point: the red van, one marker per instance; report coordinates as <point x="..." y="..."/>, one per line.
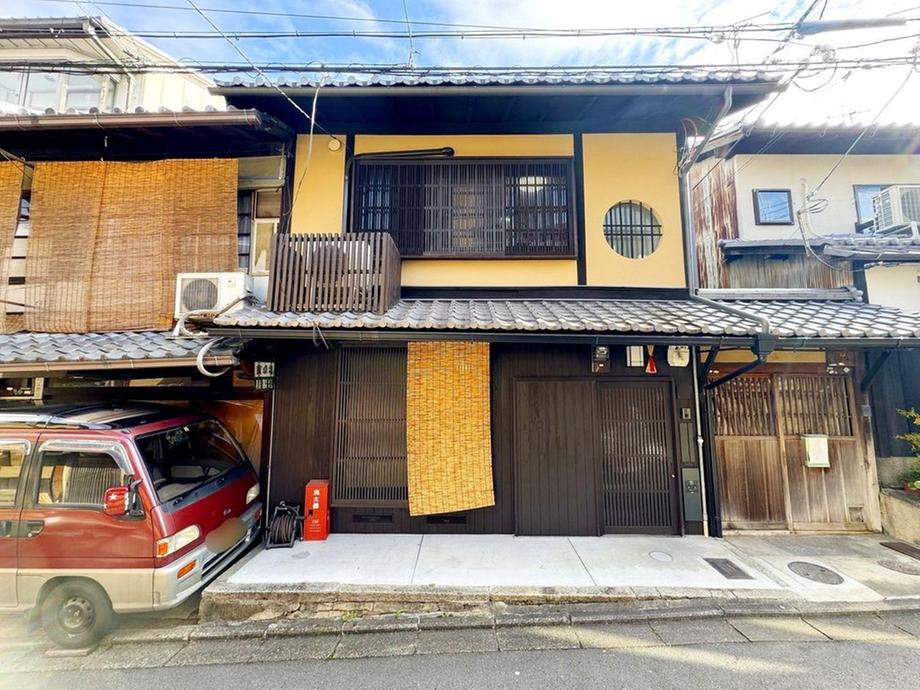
<point x="123" y="508"/>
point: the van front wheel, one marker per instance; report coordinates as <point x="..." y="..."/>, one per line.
<point x="76" y="614"/>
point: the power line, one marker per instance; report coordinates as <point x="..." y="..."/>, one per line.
<point x="675" y="71"/>
<point x="779" y="26"/>
<point x="263" y="75"/>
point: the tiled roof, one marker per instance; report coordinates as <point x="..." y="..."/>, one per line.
<point x="69" y="348"/>
<point x="867" y="247"/>
<point x="790" y="319"/>
<point x="512" y="77"/>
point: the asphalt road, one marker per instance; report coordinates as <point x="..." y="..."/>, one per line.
<point x="832" y="664"/>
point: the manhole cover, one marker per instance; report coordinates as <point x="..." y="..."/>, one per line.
<point x="661" y="556"/>
<point x="815" y="573"/>
<point x="900" y="566"/>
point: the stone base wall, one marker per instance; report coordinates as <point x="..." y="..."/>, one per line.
<point x="901" y="515"/>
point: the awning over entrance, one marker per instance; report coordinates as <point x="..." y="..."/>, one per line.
<point x="796" y="322"/>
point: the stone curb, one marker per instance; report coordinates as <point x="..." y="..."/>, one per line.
<point x="582" y="613"/>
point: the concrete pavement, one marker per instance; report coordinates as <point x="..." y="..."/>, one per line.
<point x="821" y="652"/>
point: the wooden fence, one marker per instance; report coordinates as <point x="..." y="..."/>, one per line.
<point x="358" y="272"/>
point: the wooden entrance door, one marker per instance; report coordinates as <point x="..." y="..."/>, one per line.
<point x="636" y="455"/>
<point x="764" y="483"/>
<point x="556" y="489"/>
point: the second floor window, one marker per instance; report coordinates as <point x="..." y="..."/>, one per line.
<point x="773" y="207"/>
<point x="471" y="207"/>
<point x="258" y="216"/>
<point x="865" y="204"/>
<point x="37" y="91"/>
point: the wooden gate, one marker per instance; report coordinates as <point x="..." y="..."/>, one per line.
<point x="555" y="471"/>
<point x="764" y="483"/>
<point x="636" y="454"/>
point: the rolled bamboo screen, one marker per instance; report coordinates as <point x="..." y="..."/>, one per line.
<point x="10" y="194"/>
<point x="108" y="238"/>
<point x="448" y="430"/>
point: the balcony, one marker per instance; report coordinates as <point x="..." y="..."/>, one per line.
<point x="358" y="272"/>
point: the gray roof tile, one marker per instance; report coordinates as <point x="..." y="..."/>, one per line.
<point x="42" y="348"/>
<point x="789" y="318"/>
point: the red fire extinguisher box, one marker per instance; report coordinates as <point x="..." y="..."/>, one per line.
<point x="316" y="510"/>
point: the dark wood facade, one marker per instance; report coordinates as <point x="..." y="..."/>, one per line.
<point x="554" y="464"/>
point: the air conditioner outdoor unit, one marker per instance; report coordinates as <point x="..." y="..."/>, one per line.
<point x="209" y="291"/>
<point x="897" y="206"/>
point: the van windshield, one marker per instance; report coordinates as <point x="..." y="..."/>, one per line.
<point x="182" y="459"/>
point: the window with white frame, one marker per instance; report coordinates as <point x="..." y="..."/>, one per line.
<point x="864" y="195"/>
<point x="38" y="91"/>
<point x="259" y="214"/>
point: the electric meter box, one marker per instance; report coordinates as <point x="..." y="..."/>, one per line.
<point x="816" y="453"/>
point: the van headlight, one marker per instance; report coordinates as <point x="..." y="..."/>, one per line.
<point x="252" y="494"/>
<point x="177" y="541"/>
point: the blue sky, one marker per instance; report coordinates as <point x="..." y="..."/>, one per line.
<point x="844" y="94"/>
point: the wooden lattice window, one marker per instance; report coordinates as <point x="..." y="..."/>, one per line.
<point x="369" y="458"/>
<point x="744" y="407"/>
<point x="632" y="229"/>
<point x="815" y="405"/>
<point x="470" y="207"/>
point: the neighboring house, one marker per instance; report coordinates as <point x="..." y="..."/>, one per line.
<point x="483" y="318"/>
<point x="764" y="219"/>
<point x="123" y="211"/>
<point x="34" y="51"/>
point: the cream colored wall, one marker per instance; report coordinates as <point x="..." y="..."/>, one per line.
<point x="781" y="357"/>
<point x="641" y="167"/>
<point x="786" y="172"/>
<point x="894" y="286"/>
<point x="319" y="195"/>
<point x="482" y="272"/>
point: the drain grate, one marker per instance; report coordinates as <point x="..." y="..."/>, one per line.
<point x="900" y="566"/>
<point x="901" y="547"/>
<point x="728" y="569"/>
<point x="815" y="573"/>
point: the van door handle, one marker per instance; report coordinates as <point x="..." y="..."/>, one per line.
<point x="33" y="528"/>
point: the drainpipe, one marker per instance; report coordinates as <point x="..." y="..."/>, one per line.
<point x="91" y="30"/>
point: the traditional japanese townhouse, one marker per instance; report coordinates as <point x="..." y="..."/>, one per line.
<point x="484" y="317"/>
<point x="815" y="209"/>
<point x="112" y="225"/>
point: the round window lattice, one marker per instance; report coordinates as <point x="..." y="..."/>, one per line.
<point x="632" y="229"/>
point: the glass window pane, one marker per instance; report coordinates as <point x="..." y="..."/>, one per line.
<point x="10" y="87"/>
<point x="12" y="459"/>
<point x="268" y="204"/>
<point x="77" y="478"/>
<point x="42" y="90"/>
<point x="774" y="206"/>
<point x="261" y="243"/>
<point x="83" y="92"/>
<point x="865" y="193"/>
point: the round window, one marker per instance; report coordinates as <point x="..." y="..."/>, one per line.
<point x="632" y="229"/>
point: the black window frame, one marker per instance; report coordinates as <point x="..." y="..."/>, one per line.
<point x="759" y="221"/>
<point x="568" y="249"/>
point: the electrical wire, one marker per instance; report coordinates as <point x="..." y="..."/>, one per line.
<point x="261" y="73"/>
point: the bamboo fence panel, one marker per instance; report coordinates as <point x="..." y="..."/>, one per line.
<point x="10" y="194"/>
<point x="448" y="427"/>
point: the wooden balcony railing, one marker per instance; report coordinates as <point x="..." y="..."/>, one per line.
<point x="358" y="272"/>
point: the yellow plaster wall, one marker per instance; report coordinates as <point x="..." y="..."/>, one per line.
<point x="641" y="167"/>
<point x="319" y="196"/>
<point x="487" y="272"/>
<point x="781" y="357"/>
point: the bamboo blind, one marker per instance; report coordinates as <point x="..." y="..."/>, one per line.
<point x="108" y="238"/>
<point x="448" y="431"/>
<point x="10" y="194"/>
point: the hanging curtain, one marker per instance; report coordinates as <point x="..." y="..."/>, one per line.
<point x="108" y="238"/>
<point x="448" y="430"/>
<point x="11" y="173"/>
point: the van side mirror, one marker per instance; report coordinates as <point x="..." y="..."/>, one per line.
<point x="116" y="501"/>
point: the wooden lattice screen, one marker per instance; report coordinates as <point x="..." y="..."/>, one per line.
<point x="744" y="407"/>
<point x="108" y="238"/>
<point x="369" y="456"/>
<point x="815" y="405"/>
<point x="358" y="272"/>
<point x="10" y="193"/>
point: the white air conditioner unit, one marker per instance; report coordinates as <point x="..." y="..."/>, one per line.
<point x="209" y="291"/>
<point x="897" y="206"/>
